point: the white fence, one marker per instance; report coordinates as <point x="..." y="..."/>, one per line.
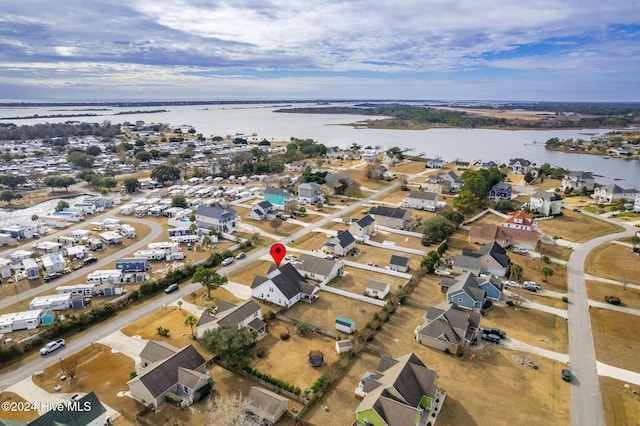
<point x="396" y="247"/>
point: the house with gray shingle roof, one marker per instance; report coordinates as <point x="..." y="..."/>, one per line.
<point x="447" y="326"/>
<point x="222" y="220"/>
<point x="402" y="392"/>
<point x="399" y="263"/>
<point x="266" y="405"/>
<point x="613" y="192"/>
<point x="500" y="191"/>
<point x="87" y="410"/>
<point x="340" y="245"/>
<point x="377" y="289"/>
<point x="363" y="227"/>
<point x="489" y="259"/>
<point x="182" y="373"/>
<point x="283" y="286"/>
<point x="392" y="217"/>
<point x="245" y="314"/>
<point x="470" y="291"/>
<point x="421" y="200"/>
<point x="318" y="268"/>
<point x="577" y="181"/>
<point x="545" y="203"/>
<point x="310" y="193"/>
<point x="260" y="210"/>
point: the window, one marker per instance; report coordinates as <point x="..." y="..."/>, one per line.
<point x="460" y="299"/>
<point x="271" y="289"/>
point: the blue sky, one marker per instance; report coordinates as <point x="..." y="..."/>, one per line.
<point x="547" y="50"/>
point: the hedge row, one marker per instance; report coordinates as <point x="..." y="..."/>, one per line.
<point x="280" y="383"/>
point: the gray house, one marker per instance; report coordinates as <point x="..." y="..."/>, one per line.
<point x="392" y="217"/>
<point x="447" y="326"/>
<point x="421" y="200"/>
<point x="545" y="203"/>
<point x="318" y="268"/>
<point x="340" y="245"/>
<point x="578" y="181"/>
<point x="363" y="227"/>
<point x="310" y="193"/>
<point x="222" y="220"/>
<point x="266" y="405"/>
<point x="245" y="314"/>
<point x="500" y="191"/>
<point x="520" y="166"/>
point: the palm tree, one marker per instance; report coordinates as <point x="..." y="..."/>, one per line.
<point x="209" y="278"/>
<point x="206" y="241"/>
<point x="191" y="321"/>
<point x="516" y="272"/>
<point x="546" y="272"/>
<point x="635" y="240"/>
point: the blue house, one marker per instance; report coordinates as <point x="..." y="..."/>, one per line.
<point x="500" y="191"/>
<point x="132" y="264"/>
<point x="464" y="291"/>
<point x="278" y="197"/>
<point x="222" y="220"/>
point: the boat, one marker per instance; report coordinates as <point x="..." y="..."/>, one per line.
<point x="605" y="157"/>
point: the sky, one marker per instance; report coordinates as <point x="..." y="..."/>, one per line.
<point x="520" y="50"/>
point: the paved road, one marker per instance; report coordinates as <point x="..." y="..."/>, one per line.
<point x="586" y="400"/>
<point x="81" y="340"/>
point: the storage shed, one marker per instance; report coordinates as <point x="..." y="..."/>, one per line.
<point x="344" y="324"/>
<point x="377" y="289"/>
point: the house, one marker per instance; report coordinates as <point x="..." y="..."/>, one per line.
<point x="25" y="320"/>
<point x="182" y="372"/>
<point x="340" y="245"/>
<point x="488" y="164"/>
<point x="389" y="159"/>
<point x="421" y="200"/>
<point x="245" y="314"/>
<point x="52" y="302"/>
<point x="470" y="291"/>
<point x="500" y="191"/>
<point x="519" y="220"/>
<point x="265" y="405"/>
<point x="391" y="217"/>
<point x="520" y="166"/>
<point x="377" y="289"/>
<point x="453" y="180"/>
<point x="299" y="166"/>
<point x="438" y="185"/>
<point x="30" y="267"/>
<point x="613" y="192"/>
<point x="334" y="152"/>
<point x="335" y="180"/>
<point x="218" y="218"/>
<point x="545" y="203"/>
<point x="399" y="263"/>
<point x="435" y="163"/>
<point x="74" y="252"/>
<point x="283" y="286"/>
<point x="87" y="411"/>
<point x="132" y="264"/>
<point x="318" y="268"/>
<point x="636" y="203"/>
<point x="6" y="270"/>
<point x="53" y="262"/>
<point x="110" y="238"/>
<point x="278" y="197"/>
<point x="310" y="193"/>
<point x="46" y="247"/>
<point x="448" y="327"/>
<point x="490" y="233"/>
<point x="578" y="181"/>
<point x="106" y="276"/>
<point x="260" y="210"/>
<point x="363" y="228"/>
<point x="402" y="392"/>
<point x="489" y="259"/>
<point x="369" y="155"/>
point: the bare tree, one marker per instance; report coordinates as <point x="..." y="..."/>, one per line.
<point x="68" y="367"/>
<point x="276" y="223"/>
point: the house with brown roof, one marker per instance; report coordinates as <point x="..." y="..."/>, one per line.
<point x="182" y="373"/>
<point x="490" y="233"/>
<point x="402" y="392"/>
<point x="245" y="314"/>
<point x="447" y="326"/>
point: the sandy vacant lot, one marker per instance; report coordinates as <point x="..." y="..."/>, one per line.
<point x="355" y="280"/>
<point x="576" y="227"/>
<point x="615" y="262"/>
<point x="616" y="337"/>
<point x="621" y="404"/>
<point x="629" y="297"/>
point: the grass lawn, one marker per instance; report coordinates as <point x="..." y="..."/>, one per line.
<point x="172" y="318"/>
<point x="399" y="239"/>
<point x="576" y="227"/>
<point x="21" y="415"/>
<point x="99" y="369"/>
<point x="409" y="167"/>
<point x="245" y="275"/>
<point x="615" y="262"/>
<point x="549" y="184"/>
<point x="531" y="272"/>
<point x="621" y="405"/>
<point x="459" y="240"/>
<point x="616" y="337"/>
<point x="323" y="311"/>
<point x="629" y="297"/>
<point x="285" y="229"/>
<point x="554" y="251"/>
<point x="489" y="218"/>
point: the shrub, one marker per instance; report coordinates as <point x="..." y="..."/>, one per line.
<point x="447" y="351"/>
<point x="510" y="303"/>
<point x="204" y="391"/>
<point x="614" y="300"/>
<point x="132" y="375"/>
<point x="284" y="336"/>
<point x="565" y="299"/>
<point x="546" y="259"/>
<point x="172" y="398"/>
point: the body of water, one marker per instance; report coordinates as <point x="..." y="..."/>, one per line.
<point x="450" y="144"/>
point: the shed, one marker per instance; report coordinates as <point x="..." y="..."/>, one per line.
<point x="343" y="346"/>
<point x="345" y="324"/>
<point x="399" y="263"/>
<point x="377" y="289"/>
<point x="266" y="405"/>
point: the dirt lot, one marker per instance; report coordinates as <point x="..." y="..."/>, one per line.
<point x="555" y="251"/>
<point x="410" y="167"/>
<point x="621" y="405"/>
<point x="172" y="318"/>
<point x="615" y="262"/>
<point x="355" y="280"/>
<point x="285" y="229"/>
<point x="629" y="297"/>
<point x="99" y="369"/>
<point x="576" y="227"/>
<point x="245" y="275"/>
<point x="488" y="218"/>
<point x="401" y="240"/>
<point x="22" y="415"/>
<point x="616" y="337"/>
<point x="323" y="311"/>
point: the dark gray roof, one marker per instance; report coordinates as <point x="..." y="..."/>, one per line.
<point x="399" y="260"/>
<point x="239" y="313"/>
<point x="365" y="221"/>
<point x="582" y="175"/>
<point x="496" y="251"/>
<point x="215" y="212"/>
<point x="67" y="416"/>
<point x="546" y="195"/>
<point x="520" y="160"/>
<point x="288" y="280"/>
<point x="393" y="212"/>
<point x="501" y="186"/>
<point x="155" y="351"/>
<point x="276" y="191"/>
<point x="257" y="280"/>
<point x="264" y="204"/>
<point x="256" y="324"/>
<point x="468" y="283"/>
<point x="393" y="412"/>
<point x="189" y="377"/>
<point x="332" y="180"/>
<point x="164" y="374"/>
<point x="345" y="238"/>
<point x="422" y="195"/>
<point x="315" y="264"/>
<point x="442" y="322"/>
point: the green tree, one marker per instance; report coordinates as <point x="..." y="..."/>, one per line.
<point x="80" y="159"/>
<point x="12" y="181"/>
<point x="209" y="278"/>
<point x="230" y="343"/>
<point x="505" y="206"/>
<point x="144" y="156"/>
<point x="453" y="216"/>
<point x="635" y="240"/>
<point x="8" y="196"/>
<point x="179" y="201"/>
<point x="61" y="205"/>
<point x="191" y="321"/>
<point x="429" y="264"/>
<point x="165" y="173"/>
<point x="437" y="228"/>
<point x="546" y="272"/>
<point x="131" y="184"/>
<point x="516" y="272"/>
<point x="93" y="150"/>
<point x="466" y="202"/>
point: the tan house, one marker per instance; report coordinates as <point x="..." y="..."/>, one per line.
<point x="391" y="217"/>
<point x="363" y="227"/>
<point x="489" y="259"/>
<point x="448" y="327"/>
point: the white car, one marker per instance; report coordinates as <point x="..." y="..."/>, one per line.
<point x="52" y="346"/>
<point x="228" y="261"/>
<point x="290" y="258"/>
<point x="511" y="284"/>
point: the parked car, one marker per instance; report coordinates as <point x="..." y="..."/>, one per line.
<point x="531" y="286"/>
<point x="52" y="276"/>
<point x="89" y="260"/>
<point x="331" y="204"/>
<point x="290" y="258"/>
<point x="495" y="331"/>
<point x="173" y="287"/>
<point x="372" y="264"/>
<point x="241" y="255"/>
<point x="566" y="374"/>
<point x="575" y="209"/>
<point x="52" y="346"/>
<point x="511" y="284"/>
<point x="228" y="261"/>
<point x="491" y="338"/>
<point x="75" y="397"/>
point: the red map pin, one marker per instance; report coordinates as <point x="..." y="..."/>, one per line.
<point x="277" y="252"/>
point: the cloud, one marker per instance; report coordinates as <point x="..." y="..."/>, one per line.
<point x="150" y="42"/>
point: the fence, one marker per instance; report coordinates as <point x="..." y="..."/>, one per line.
<point x="395" y="247"/>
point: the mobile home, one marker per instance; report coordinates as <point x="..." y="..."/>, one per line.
<point x="167" y="247"/>
<point x="105" y="276"/>
<point x="111" y="238"/>
<point x="53" y="262"/>
<point x="54" y="221"/>
<point x="26" y="320"/>
<point x="150" y="254"/>
<point x="69" y="216"/>
<point x="53" y="302"/>
<point x="77" y="290"/>
<point x="80" y="233"/>
<point x="132" y="264"/>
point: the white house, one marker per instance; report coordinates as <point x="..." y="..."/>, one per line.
<point x="520" y="166"/>
<point x="53" y="262"/>
<point x="310" y="193"/>
<point x="283" y="286"/>
<point x="421" y="200"/>
<point x="220" y="219"/>
<point x="613" y="192"/>
<point x="245" y="314"/>
<point x="577" y="181"/>
<point x="30" y="267"/>
<point x="377" y="289"/>
<point x="53" y="302"/>
<point x="106" y="276"/>
<point x="363" y="227"/>
<point x="545" y="203"/>
<point x="260" y="210"/>
<point x="26" y="320"/>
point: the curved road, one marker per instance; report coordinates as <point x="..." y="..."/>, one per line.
<point x="586" y="400"/>
<point x="97" y="332"/>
